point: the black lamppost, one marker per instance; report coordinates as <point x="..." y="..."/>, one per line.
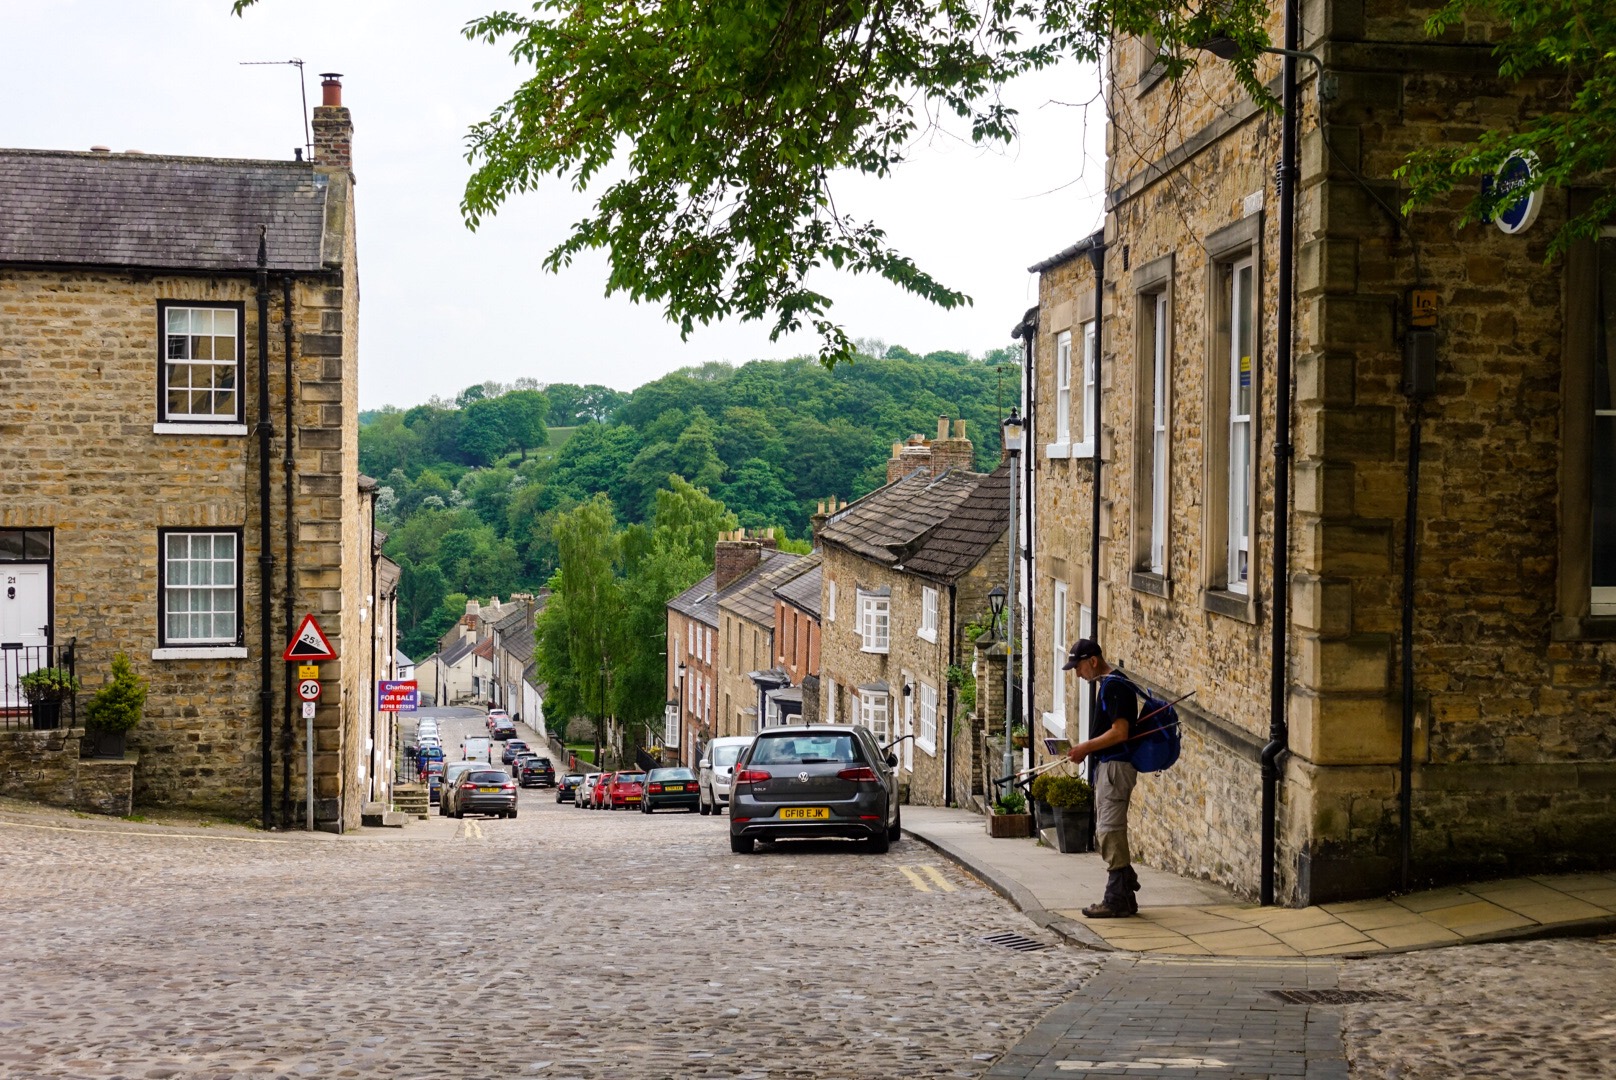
<point x="996" y="606"/>
<point x="684" y="741"/>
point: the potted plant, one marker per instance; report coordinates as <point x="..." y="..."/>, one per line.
<point x="115" y="708"/>
<point x="45" y="689"/>
<point x="1071" y="805"/>
<point x="1008" y="816"/>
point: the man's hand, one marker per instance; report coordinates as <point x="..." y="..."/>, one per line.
<point x="1076" y="754"/>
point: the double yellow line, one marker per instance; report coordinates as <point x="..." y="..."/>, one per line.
<point x="933" y="876"/>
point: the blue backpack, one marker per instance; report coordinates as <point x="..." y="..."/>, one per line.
<point x="1154" y="739"/>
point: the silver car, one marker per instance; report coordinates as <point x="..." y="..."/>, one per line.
<point x="822" y="780"/>
<point x="717" y="763"/>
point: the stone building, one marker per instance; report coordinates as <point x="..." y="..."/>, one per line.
<point x="1511" y="650"/>
<point x="178" y="346"/>
<point x="906" y="569"/>
<point x="692" y="669"/>
<point x="748" y="568"/>
<point x="797" y="633"/>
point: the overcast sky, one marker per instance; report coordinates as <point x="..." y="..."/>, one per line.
<point x="444" y="307"/>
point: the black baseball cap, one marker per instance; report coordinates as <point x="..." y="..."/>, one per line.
<point x="1081" y="651"/>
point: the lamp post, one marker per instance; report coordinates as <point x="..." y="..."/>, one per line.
<point x="684" y="740"/>
<point x="996" y="606"/>
<point x="1012" y="427"/>
<point x="1278" y="730"/>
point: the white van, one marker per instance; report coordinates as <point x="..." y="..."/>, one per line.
<point x="477" y="748"/>
<point x="717" y="764"/>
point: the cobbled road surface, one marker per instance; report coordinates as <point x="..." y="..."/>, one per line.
<point x="564" y="943"/>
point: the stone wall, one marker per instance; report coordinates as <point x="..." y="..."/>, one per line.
<point x="45" y="767"/>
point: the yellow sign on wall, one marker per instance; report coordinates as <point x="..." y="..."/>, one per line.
<point x="308" y="671"/>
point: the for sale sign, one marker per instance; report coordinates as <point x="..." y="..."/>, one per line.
<point x="401" y="695"/>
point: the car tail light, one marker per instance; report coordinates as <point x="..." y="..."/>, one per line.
<point x="751" y="776"/>
<point x="509" y="785"/>
<point x="869" y="817"/>
<point x="863" y="774"/>
<point x="655" y="789"/>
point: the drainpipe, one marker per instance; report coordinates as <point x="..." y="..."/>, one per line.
<point x="1029" y="440"/>
<point x="948" y="732"/>
<point x="1097" y="261"/>
<point x="375" y="604"/>
<point x="287" y="465"/>
<point x="266" y="558"/>
<point x="1278" y="733"/>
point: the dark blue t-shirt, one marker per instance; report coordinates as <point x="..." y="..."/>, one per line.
<point x="1117" y="702"/>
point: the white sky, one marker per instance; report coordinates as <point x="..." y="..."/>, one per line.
<point x="444" y="307"/>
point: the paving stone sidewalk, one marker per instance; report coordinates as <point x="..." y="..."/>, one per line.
<point x="1182" y="1017"/>
<point x="1194" y="918"/>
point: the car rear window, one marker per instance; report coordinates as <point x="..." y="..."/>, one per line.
<point x="726" y="755"/>
<point x="486" y="776"/>
<point x="630" y="778"/>
<point x="804" y="750"/>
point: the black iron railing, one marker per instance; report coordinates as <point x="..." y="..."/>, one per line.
<point x="41" y="708"/>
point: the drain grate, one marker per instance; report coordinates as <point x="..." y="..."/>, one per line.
<point x="1334" y="997"/>
<point x="1015" y="941"/>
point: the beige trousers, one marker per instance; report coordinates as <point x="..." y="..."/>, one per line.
<point x="1113" y="787"/>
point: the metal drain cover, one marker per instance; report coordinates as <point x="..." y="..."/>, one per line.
<point x="1017" y="942"/>
<point x="1334" y="997"/>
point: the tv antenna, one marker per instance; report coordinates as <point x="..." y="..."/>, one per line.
<point x="308" y="145"/>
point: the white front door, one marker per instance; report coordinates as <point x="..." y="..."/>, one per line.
<point x="24" y="624"/>
<point x="908" y="729"/>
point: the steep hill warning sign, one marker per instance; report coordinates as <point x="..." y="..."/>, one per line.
<point x="308" y="644"/>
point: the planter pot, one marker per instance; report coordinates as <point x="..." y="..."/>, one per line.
<point x="47" y="715"/>
<point x="1072" y="829"/>
<point x="1007" y="826"/>
<point x="105" y="744"/>
<point x="1018" y="742"/>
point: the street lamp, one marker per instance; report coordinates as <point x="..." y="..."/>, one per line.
<point x="996" y="605"/>
<point x="681" y="670"/>
<point x="1012" y="426"/>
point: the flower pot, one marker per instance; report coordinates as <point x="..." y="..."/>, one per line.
<point x="105" y="744"/>
<point x="1073" y="827"/>
<point x="1007" y="826"/>
<point x="1019" y="741"/>
<point x="47" y="715"/>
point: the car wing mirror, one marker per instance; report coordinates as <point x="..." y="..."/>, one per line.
<point x="704" y="764"/>
<point x="892" y="761"/>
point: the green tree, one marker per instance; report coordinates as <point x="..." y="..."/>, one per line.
<point x="525" y="414"/>
<point x="587" y="582"/>
<point x="688" y="521"/>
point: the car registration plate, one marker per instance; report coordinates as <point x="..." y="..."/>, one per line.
<point x="489" y="790"/>
<point x="673" y="787"/>
<point x="805" y="813"/>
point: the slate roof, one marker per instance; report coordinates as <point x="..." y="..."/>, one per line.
<point x="752" y="595"/>
<point x="960" y="541"/>
<point x="458" y="651"/>
<point x="519" y="643"/>
<point x="803" y="588"/>
<point x="699" y="602"/>
<point x="508" y="624"/>
<point x="401" y="660"/>
<point x="886" y="525"/>
<point x="158" y="212"/>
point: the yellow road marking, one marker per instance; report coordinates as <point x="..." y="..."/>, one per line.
<point x="915" y="879"/>
<point x="470" y="830"/>
<point x="937" y="876"/>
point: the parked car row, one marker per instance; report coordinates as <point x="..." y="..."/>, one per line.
<point x="631" y="789"/>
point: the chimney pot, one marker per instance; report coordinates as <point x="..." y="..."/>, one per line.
<point x="331" y="89"/>
<point x="100" y="149"/>
<point x="942" y="427"/>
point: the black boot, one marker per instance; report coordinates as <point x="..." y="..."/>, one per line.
<point x="1118" y="902"/>
<point x="1130" y="885"/>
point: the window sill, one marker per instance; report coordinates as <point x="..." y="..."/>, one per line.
<point x="882" y="651"/>
<point x="200" y="652"/>
<point x="927" y="635"/>
<point x="1058" y="450"/>
<point x="930" y="748"/>
<point x="1235" y="605"/>
<point x="188" y="428"/>
<point x="1154" y="584"/>
<point x="1082" y="450"/>
<point x="1054" y="724"/>
<point x="1584" y="628"/>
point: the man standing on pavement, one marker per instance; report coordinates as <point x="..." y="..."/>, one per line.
<point x="1112" y="774"/>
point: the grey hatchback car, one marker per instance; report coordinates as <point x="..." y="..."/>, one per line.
<point x="814" y="781"/>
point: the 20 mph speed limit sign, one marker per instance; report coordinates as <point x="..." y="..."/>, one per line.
<point x="309" y="690"/>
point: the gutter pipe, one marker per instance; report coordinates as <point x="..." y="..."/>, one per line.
<point x="287" y="465"/>
<point x="266" y="558"/>
<point x="953" y="693"/>
<point x="1278" y="732"/>
<point x="1096" y="255"/>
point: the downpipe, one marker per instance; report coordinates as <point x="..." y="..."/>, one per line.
<point x="289" y="522"/>
<point x="266" y="557"/>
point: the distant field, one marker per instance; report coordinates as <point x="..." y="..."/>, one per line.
<point x="559" y="435"/>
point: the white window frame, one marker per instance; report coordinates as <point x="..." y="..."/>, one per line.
<point x="1242" y="302"/>
<point x="928" y="614"/>
<point x="1063" y="388"/>
<point x="1085" y="447"/>
<point x="1159" y="439"/>
<point x="1055" y="718"/>
<point x="707" y="636"/>
<point x="176" y="582"/>
<point x="168" y="361"/>
<point x="1085" y="628"/>
<point x="926" y="737"/>
<point x="875" y="623"/>
<point x="831" y="692"/>
<point x="690" y="639"/>
<point x="830" y="600"/>
<point x="875" y="713"/>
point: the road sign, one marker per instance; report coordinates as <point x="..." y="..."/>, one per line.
<point x="308" y="671"/>
<point x="1517" y="171"/>
<point x="397" y="695"/>
<point x="308" y="710"/>
<point x="309" y="689"/>
<point x="309" y="643"/>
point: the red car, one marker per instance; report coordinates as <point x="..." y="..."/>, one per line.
<point x="626" y="791"/>
<point x="599" y="798"/>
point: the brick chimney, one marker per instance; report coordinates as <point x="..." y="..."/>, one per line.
<point x="333" y="128"/>
<point x="951" y="452"/>
<point x="734" y="556"/>
<point x="909" y="456"/>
